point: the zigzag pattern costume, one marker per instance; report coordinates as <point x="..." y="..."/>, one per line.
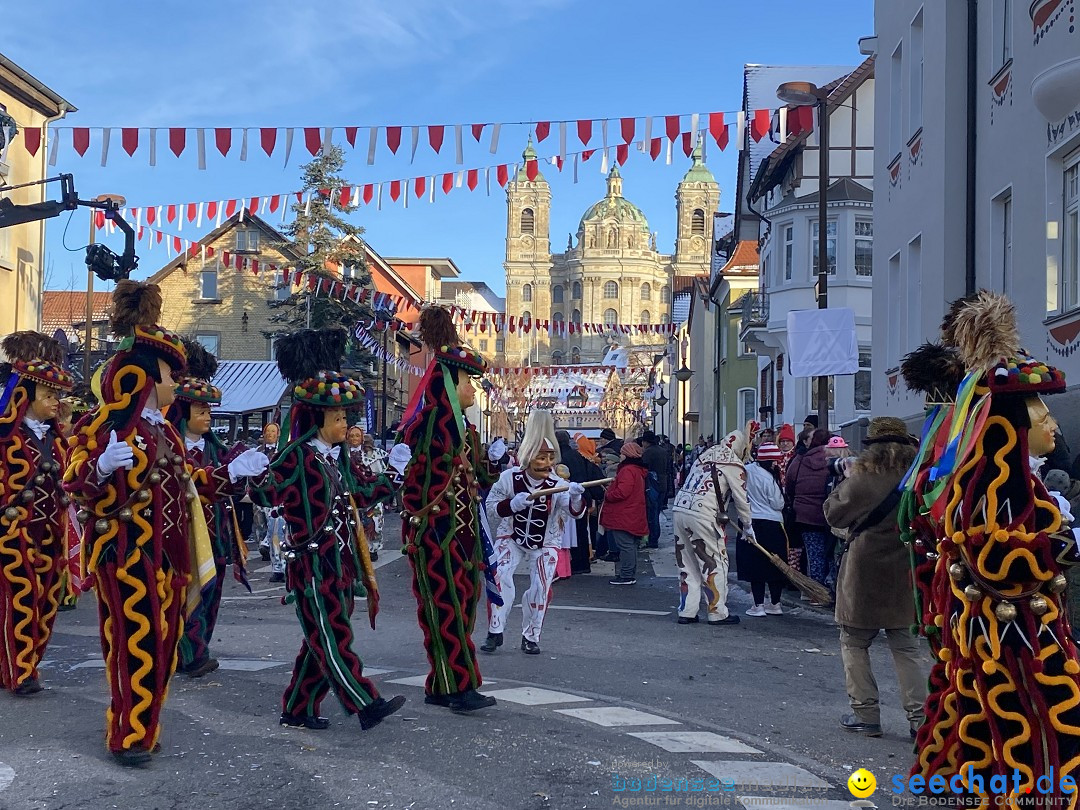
<point x="33" y="518"/>
<point x="1005" y="693"/>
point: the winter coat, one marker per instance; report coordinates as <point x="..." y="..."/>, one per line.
<point x="873" y="589"/>
<point x="582" y="470"/>
<point x="610" y="457"/>
<point x="624" y="501"/>
<point x="656" y="460"/>
<point x="766" y="499"/>
<point x="806" y="483"/>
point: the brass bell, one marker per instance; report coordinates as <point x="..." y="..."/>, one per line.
<point x="101" y="525"/>
<point x="185" y="477"/>
<point x="190" y="497"/>
<point x="435" y="510"/>
<point x="415" y="521"/>
<point x="932" y="555"/>
<point x="1005" y="611"/>
<point x="154" y="477"/>
<point x="972" y="593"/>
<point x="126" y="514"/>
<point x="1059" y="583"/>
<point x="919" y="544"/>
<point x="1038" y="605"/>
<point x="11" y="513"/>
<point x="45" y="466"/>
<point x="290" y="556"/>
<point x="145" y="495"/>
<point x="312" y="546"/>
<point x="956" y="571"/>
<point x="28" y="495"/>
<point x="39" y="479"/>
<point x="82" y="515"/>
<point x="163" y="462"/>
<point x="403" y="514"/>
<point x="65" y="500"/>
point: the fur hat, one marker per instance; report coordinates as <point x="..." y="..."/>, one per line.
<point x="539" y="436"/>
<point x="38" y="358"/>
<point x="437" y="331"/>
<point x="887" y="429"/>
<point x="310" y="359"/>
<point x="934" y="370"/>
<point x="202" y="366"/>
<point x="136" y="309"/>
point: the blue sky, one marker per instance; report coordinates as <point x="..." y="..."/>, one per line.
<point x="367" y="62"/>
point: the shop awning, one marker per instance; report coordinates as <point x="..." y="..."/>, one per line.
<point x="249" y="386"/>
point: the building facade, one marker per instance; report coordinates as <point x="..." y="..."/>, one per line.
<point x="610" y="273"/>
<point x="739" y="382"/>
<point x="28" y="106"/>
<point x="1018" y="174"/>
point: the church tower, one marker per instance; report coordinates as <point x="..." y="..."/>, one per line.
<point x="696" y="200"/>
<point x="528" y="260"/>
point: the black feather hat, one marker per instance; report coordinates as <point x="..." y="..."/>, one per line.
<point x="310" y="359"/>
<point x="933" y="370"/>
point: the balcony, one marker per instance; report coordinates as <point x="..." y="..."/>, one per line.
<point x="755" y="312"/>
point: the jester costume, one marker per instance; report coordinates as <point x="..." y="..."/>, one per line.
<point x="441" y="529"/>
<point x="320" y="491"/>
<point x="72" y="409"/>
<point x="1005" y="692"/>
<point x="33" y="506"/>
<point x="209" y="459"/>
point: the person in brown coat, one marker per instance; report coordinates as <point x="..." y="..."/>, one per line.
<point x="873" y="590"/>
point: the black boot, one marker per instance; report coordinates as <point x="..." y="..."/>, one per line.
<point x="304" y="721"/>
<point x="529" y="647"/>
<point x="31" y="686"/>
<point x="437" y="700"/>
<point x="196" y="669"/>
<point x="374" y="713"/>
<point x="492" y="642"/>
<point x="469" y="701"/>
<point x="132" y="757"/>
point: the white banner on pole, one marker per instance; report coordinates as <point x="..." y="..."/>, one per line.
<point x="822" y="342"/>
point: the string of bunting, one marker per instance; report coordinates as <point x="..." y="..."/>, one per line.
<point x="273" y="140"/>
<point x="364" y="338"/>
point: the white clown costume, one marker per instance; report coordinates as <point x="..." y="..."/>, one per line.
<point x="529" y="529"/>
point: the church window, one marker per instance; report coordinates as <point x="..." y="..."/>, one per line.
<point x="526" y="292"/>
<point x="557" y="294"/>
<point x="575" y="355"/>
<point x="697" y="223"/>
<point x="665" y="294"/>
<point x="527" y="221"/>
<point x="611" y="317"/>
<point x="646" y="292"/>
<point x="577" y="290"/>
<point x="575" y="316"/>
<point x="645" y="316"/>
<point x="556" y="358"/>
<point x="526" y="317"/>
<point x="611" y="289"/>
<point x="556" y="317"/>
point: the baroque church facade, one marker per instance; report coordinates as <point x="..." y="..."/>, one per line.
<point x="611" y="272"/>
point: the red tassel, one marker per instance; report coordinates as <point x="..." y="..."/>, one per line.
<point x="223" y="139"/>
<point x="32" y="140"/>
<point x="435" y="138"/>
<point x="584" y="131"/>
<point x="393" y="138"/>
<point x="628" y="126"/>
<point x="80" y="139"/>
<point x="312" y="140"/>
<point x="129" y="139"/>
<point x="543" y="129"/>
<point x="447" y="182"/>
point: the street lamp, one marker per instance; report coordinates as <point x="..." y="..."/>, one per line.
<point x="802" y="93"/>
<point x="683" y="375"/>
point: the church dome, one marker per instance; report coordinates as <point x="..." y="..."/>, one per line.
<point x="614" y="206"/>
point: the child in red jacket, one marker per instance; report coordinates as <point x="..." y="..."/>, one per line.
<point x="623" y="517"/>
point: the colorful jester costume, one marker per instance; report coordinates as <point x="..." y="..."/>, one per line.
<point x="33" y="506"/>
<point x="72" y="583"/>
<point x="128" y="473"/>
<point x="328" y="564"/>
<point x="210" y="461"/>
<point x="1005" y="697"/>
<point x="442" y="532"/>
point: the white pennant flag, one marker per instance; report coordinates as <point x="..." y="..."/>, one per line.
<point x="459" y="153"/>
<point x="694" y="119"/>
<point x="379" y="198"/>
<point x="668" y="157"/>
<point x="105" y="133"/>
<point x="373" y="142"/>
<point x="288" y="144"/>
<point x="740" y="128"/>
<point x="220" y="212"/>
<point x="646" y="138"/>
<point x="495" y="137"/>
<point x="431" y="189"/>
<point x="199" y="213"/>
<point x="460" y="178"/>
<point x="153" y="146"/>
<point x="327" y="139"/>
<point x="575" y="167"/>
<point x="604" y="162"/>
<point x="487" y="180"/>
<point x="243" y="144"/>
<point x="405" y="196"/>
<point x="415" y="141"/>
<point x="562" y="140"/>
<point x="783" y="123"/>
<point x="603" y="134"/>
<point x="56" y="147"/>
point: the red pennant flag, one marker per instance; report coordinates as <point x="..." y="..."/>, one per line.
<point x="159" y="235"/>
<point x="268" y="139"/>
<point x="369" y="192"/>
<point x="584" y="131"/>
<point x="80" y="139"/>
<point x="543" y="129"/>
<point x="312" y="140"/>
<point x="99" y="219"/>
<point x="151" y="215"/>
<point x="477" y="131"/>
<point x="587" y="153"/>
<point x="209" y="252"/>
<point x="804" y="115"/>
<point x="211" y="210"/>
<point x="419" y="185"/>
<point x="192" y="210"/>
<point x="32" y="139"/>
<point x="275" y="202"/>
<point x="176" y="244"/>
<point x="253" y="205"/>
<point x="513" y="324"/>
<point x="472" y="178"/>
<point x="531" y="169"/>
<point x="759" y="128"/>
<point x="299" y="196"/>
<point x="622" y="152"/>
<point x="350" y="135"/>
<point x="177" y="140"/>
<point x="435" y="138"/>
<point x="311" y="282"/>
<point x="345" y="196"/>
<point x="628" y="126"/>
<point x="129" y="139"/>
<point x="501" y="174"/>
<point x="654" y="148"/>
<point x="559" y="162"/>
<point x="170" y="213"/>
<point x="687" y="143"/>
<point x="447" y="182"/>
<point x="395" y="189"/>
<point x="230" y="208"/>
<point x="255" y="266"/>
<point x="393" y="138"/>
<point x="718" y="129"/>
<point x="671" y="122"/>
<point x="223" y="139"/>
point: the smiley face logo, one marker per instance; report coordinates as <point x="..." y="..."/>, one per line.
<point x="862" y="783"/>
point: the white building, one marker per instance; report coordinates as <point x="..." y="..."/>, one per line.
<point x="999" y="209"/>
<point x="784" y="192"/>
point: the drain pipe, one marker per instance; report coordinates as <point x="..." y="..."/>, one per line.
<point x="970" y="276"/>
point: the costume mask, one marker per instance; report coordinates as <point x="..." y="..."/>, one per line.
<point x="46" y="404"/>
<point x="334" y="426"/>
<point x="466" y="393"/>
<point x="198" y="423"/>
<point x="1041" y="439"/>
<point x="166" y="389"/>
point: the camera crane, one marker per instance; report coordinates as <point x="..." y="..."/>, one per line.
<point x="104" y="263"/>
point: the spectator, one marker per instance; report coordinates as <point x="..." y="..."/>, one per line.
<point x="580" y="471"/>
<point x="810" y="422"/>
<point x="874" y="590"/>
<point x="656" y="483"/>
<point x="766" y="503"/>
<point x="807" y="479"/>
<point x="609" y="451"/>
<point x="623" y="516"/>
<point x="803" y="444"/>
<point x="597" y="541"/>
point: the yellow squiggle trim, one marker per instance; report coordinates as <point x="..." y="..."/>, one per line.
<point x="132" y="614"/>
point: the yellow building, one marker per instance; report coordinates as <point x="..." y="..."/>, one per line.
<point x="31" y="106"/>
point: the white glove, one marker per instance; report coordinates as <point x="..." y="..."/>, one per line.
<point x="250" y="462"/>
<point x="400" y="456"/>
<point x="496" y="450"/>
<point x="117" y="454"/>
<point x="520" y="502"/>
<point x="576" y="491"/>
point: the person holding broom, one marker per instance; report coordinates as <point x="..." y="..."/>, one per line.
<point x="766" y="502"/>
<point x="873" y="589"/>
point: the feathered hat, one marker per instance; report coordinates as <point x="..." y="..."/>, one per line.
<point x="195" y="385"/>
<point x="310" y="360"/>
<point x="31" y="357"/>
<point x="539" y="437"/>
<point x="988" y="343"/>
<point x="933" y="370"/>
<point x="136" y="310"/>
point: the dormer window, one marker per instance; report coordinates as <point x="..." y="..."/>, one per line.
<point x="247" y="240"/>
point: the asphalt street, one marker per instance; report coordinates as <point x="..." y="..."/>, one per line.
<point x="621" y="698"/>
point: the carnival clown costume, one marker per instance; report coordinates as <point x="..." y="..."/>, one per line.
<point x="72" y="409"/>
<point x="33" y="505"/>
<point x="530" y="526"/>
<point x="1005" y="693"/>
<point x="328" y="565"/>
<point x="442" y="530"/>
<point x="217" y="473"/>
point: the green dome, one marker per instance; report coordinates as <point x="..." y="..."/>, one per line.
<point x="614" y="206"/>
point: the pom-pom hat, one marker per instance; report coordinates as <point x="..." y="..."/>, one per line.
<point x="767" y="451"/>
<point x="310" y="359"/>
<point x="201" y="367"/>
<point x="38" y="358"/>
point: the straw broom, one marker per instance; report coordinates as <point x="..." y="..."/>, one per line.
<point x="813" y="589"/>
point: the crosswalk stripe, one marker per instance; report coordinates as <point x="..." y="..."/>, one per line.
<point x="533" y="696"/>
<point x="779" y="803"/>
<point x="758" y="773"/>
<point x="609" y="716"/>
<point x="420" y="680"/>
<point x="693" y="742"/>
